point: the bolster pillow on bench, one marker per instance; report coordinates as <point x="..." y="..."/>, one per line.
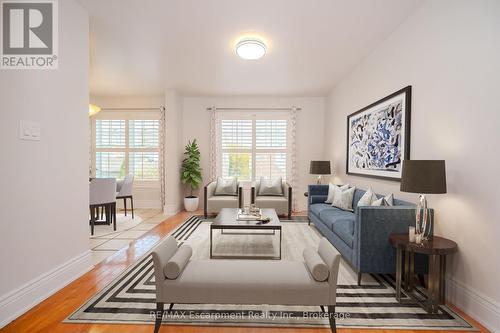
<point x="315" y="264"/>
<point x="176" y="264"/>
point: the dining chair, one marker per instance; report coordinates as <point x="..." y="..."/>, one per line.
<point x="102" y="193"/>
<point x="124" y="191"/>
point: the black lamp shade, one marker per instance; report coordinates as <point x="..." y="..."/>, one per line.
<point x="423" y="176"/>
<point x="320" y="168"/>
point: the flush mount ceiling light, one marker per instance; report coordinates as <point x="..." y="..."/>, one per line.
<point x="251" y="48"/>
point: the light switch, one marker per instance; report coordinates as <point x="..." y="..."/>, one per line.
<point x="29" y="131"/>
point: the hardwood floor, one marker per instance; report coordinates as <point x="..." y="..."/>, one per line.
<point x="48" y="315"/>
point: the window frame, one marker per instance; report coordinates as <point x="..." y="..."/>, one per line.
<point x="254" y="116"/>
<point x="127" y="116"/>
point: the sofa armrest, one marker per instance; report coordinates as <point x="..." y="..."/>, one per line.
<point x="372" y="229"/>
<point x="240" y="196"/>
<point x="161" y="255"/>
<point x="287" y="192"/>
<point x="318" y="190"/>
<point x="208" y="191"/>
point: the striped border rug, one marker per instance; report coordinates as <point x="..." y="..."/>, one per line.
<point x="130" y="298"/>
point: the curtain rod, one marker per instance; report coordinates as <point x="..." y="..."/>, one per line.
<point x="213" y="108"/>
<point x="133" y="109"/>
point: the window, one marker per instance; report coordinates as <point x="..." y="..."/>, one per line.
<point x="254" y="146"/>
<point x="124" y="146"/>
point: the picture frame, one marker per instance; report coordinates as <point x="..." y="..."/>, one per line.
<point x="378" y="137"/>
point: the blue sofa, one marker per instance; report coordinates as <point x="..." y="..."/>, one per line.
<point x="362" y="236"/>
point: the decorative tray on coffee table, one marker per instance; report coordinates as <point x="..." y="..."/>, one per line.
<point x="242" y="216"/>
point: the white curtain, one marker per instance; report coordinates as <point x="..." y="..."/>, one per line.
<point x="162" y="155"/>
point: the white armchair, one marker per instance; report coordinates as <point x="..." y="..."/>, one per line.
<point x="214" y="203"/>
<point x="281" y="203"/>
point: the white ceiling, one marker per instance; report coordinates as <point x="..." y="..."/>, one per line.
<point x="144" y="47"/>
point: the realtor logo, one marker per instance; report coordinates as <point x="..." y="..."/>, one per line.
<point x="29" y="34"/>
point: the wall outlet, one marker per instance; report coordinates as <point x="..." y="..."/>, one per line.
<point x="29" y="131"/>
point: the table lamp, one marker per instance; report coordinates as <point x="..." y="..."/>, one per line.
<point x="423" y="177"/>
<point x="319" y="168"/>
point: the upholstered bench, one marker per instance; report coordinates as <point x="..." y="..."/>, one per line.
<point x="309" y="282"/>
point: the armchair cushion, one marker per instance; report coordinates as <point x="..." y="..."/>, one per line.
<point x="226" y="186"/>
<point x="271" y="187"/>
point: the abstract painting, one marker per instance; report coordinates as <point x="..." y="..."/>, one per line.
<point x="378" y="137"/>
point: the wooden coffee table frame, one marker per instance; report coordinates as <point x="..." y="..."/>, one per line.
<point x="274" y="225"/>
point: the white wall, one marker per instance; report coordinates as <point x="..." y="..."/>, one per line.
<point x="145" y="196"/>
<point x="44" y="227"/>
<point x="449" y="52"/>
<point x="310" y="130"/>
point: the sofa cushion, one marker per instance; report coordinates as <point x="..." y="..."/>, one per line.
<point x="341" y="223"/>
<point x="319" y="207"/>
<point x="245" y="282"/>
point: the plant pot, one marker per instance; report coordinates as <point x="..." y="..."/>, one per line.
<point x="191" y="203"/>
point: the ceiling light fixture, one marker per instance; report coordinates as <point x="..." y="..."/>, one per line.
<point x="251" y="48"/>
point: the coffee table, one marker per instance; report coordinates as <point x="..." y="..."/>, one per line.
<point x="227" y="219"/>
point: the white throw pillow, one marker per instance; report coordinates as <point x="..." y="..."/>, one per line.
<point x="332" y="189"/>
<point x="368" y="198"/>
<point x="388" y="200"/>
<point x="315" y="264"/>
<point x="343" y="199"/>
<point x="226" y="186"/>
<point x="271" y="187"/>
<point x="179" y="260"/>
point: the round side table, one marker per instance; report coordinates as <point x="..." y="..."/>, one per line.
<point x="437" y="248"/>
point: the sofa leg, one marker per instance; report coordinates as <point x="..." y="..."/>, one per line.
<point x="421" y="279"/>
<point x="359" y="278"/>
<point x="158" y="316"/>
<point x="331" y="318"/>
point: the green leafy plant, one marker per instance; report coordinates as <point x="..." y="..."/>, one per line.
<point x="190" y="169"/>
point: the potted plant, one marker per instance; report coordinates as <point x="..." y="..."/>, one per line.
<point x="191" y="174"/>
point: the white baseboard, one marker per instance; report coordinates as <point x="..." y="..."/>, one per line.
<point x="171" y="209"/>
<point x="480" y="307"/>
<point x="17" y="302"/>
<point x="144" y="204"/>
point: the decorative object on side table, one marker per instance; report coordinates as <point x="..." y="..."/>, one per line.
<point x="191" y="174"/>
<point x="319" y="168"/>
<point x="423" y="177"/>
<point x="378" y="137"/>
<point x="437" y="248"/>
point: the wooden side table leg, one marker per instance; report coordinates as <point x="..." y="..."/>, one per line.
<point x="411" y="273"/>
<point x="399" y="268"/>
<point x="407" y="271"/>
<point x="433" y="290"/>
<point x="442" y="279"/>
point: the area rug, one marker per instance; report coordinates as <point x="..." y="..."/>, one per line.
<point x="130" y="298"/>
